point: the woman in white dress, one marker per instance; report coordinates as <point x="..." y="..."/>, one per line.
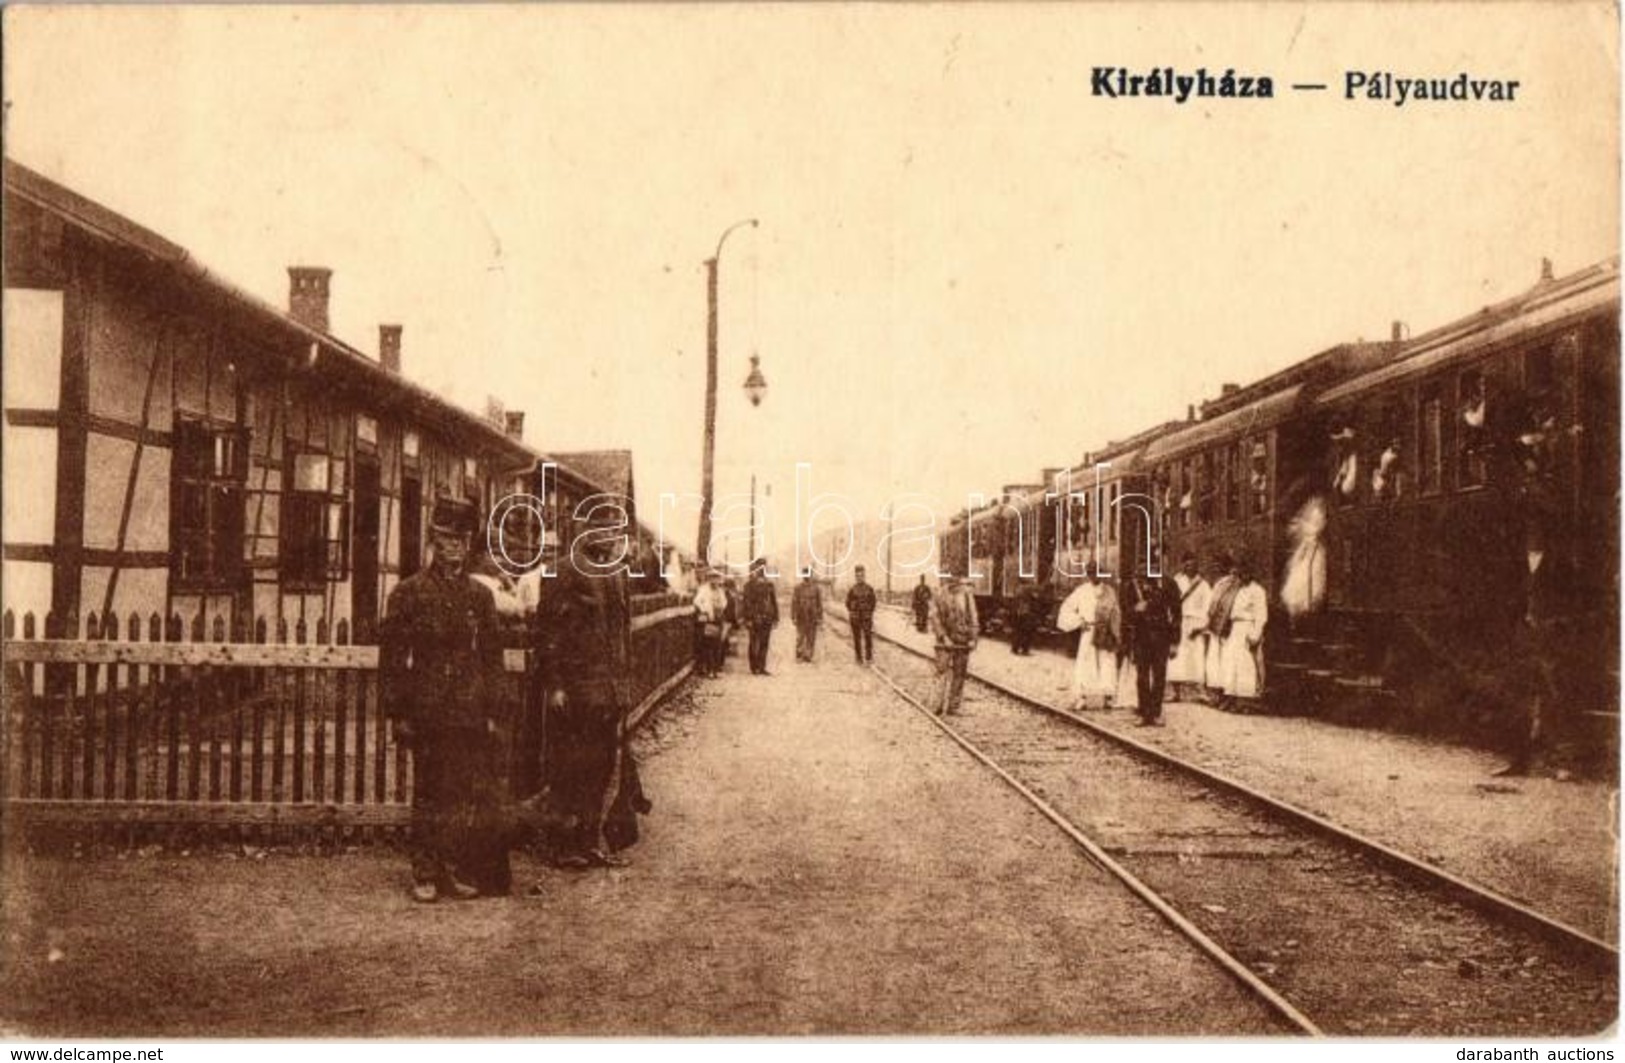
<point x="1187" y="672"/>
<point x="1221" y="599"/>
<point x="1077" y="613"/>
<point x="1244" y="646"/>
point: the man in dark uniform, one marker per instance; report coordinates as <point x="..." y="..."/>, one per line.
<point x="584" y="663"/>
<point x="1027" y="612"/>
<point x="440" y="659"/>
<point x="860" y="614"/>
<point x="761" y="615"/>
<point x="922" y="605"/>
<point x="1151" y="616"/>
<point x="1544" y="644"/>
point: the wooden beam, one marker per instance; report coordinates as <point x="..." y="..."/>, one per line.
<point x="43" y="810"/>
<point x="217" y="654"/>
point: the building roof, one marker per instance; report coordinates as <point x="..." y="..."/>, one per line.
<point x="1256" y="417"/>
<point x="1547" y="303"/>
<point x="608" y="470"/>
<point x="323" y="352"/>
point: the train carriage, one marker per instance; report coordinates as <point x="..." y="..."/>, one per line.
<point x="1432" y="469"/>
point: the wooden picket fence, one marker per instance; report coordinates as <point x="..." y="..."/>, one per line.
<point x="136" y="723"/>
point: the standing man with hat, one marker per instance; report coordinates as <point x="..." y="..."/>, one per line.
<point x="1151" y="618"/>
<point x="441" y="671"/>
<point x="954" y="623"/>
<point x="710" y="613"/>
<point x="761" y="609"/>
<point x="922" y="605"/>
<point x="860" y="614"/>
<point x="807" y="610"/>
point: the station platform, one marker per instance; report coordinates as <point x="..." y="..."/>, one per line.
<point x="1551" y="844"/>
<point x="820" y="859"/>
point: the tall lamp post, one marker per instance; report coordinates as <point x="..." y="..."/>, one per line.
<point x="755" y="389"/>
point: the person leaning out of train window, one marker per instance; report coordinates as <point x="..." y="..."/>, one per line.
<point x="1345" y="464"/>
<point x="1387" y="479"/>
<point x="1243" y="650"/>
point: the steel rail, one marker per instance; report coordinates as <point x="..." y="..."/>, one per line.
<point x="1476" y="896"/>
<point x="1232" y="966"/>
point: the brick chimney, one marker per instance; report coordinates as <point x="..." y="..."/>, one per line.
<point x="389" y="347"/>
<point x="1228" y="389"/>
<point x="1401" y="331"/>
<point x="514" y="424"/>
<point x="307" y="295"/>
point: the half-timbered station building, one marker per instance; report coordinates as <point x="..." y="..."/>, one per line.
<point x="175" y="446"/>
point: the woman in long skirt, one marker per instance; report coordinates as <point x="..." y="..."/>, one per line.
<point x="1221" y="601"/>
<point x="1187" y="671"/>
<point x="1077" y="614"/>
<point x="1106" y="643"/>
<point x="1243" y="647"/>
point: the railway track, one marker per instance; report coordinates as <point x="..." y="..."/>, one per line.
<point x="1336" y="933"/>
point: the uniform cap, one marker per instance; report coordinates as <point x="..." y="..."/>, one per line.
<point x="452" y="517"/>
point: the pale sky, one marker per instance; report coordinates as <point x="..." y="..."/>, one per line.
<point x="968" y="267"/>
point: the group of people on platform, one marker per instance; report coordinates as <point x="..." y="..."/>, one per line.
<point x="491" y="770"/>
<point x="950" y="613"/>
<point x="718" y="610"/>
<point x="1205" y="639"/>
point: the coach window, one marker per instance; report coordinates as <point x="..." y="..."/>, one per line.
<point x="1190" y="494"/>
<point x="209" y="475"/>
<point x="1205" y="490"/>
<point x="315" y="521"/>
<point x="1258" y="477"/>
<point x="1430" y="439"/>
<point x="1232" y="481"/>
<point x="1540" y="370"/>
<point x="1472" y="429"/>
<point x="1113" y="512"/>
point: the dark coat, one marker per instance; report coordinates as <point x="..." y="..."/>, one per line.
<point x="807" y="604"/>
<point x="761" y="605"/>
<point x="583" y="635"/>
<point x="1151" y="617"/>
<point x="860" y="601"/>
<point x="440" y="653"/>
<point x="1030" y="606"/>
<point x="922" y="598"/>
